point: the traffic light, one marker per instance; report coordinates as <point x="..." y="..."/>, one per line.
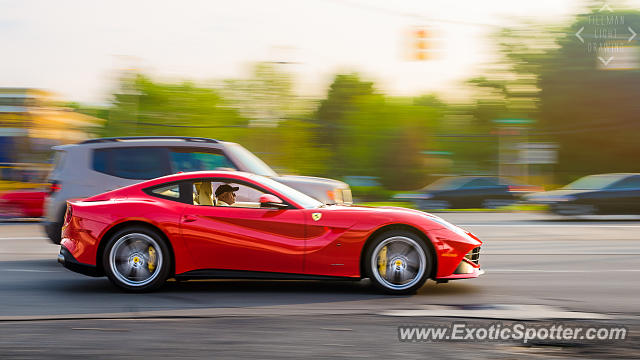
<point x="420" y="44"/>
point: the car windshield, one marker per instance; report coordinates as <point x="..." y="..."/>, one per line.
<point x="447" y="183"/>
<point x="593" y="182"/>
<point x="303" y="200"/>
<point x="250" y="162"/>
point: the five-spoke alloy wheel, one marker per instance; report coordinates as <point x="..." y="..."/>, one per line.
<point x="136" y="259"/>
<point x="398" y="262"/>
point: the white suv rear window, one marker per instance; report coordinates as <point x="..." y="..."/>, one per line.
<point x="139" y="163"/>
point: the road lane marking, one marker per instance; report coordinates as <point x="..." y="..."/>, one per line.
<point x="24" y="238"/>
<point x="550" y="225"/>
<point x="510" y="312"/>
<point x="559" y="254"/>
<point x="101" y="329"/>
<point x="30" y="270"/>
<point x="341" y="345"/>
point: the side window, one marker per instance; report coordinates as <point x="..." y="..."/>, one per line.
<point x="100" y="160"/>
<point x="170" y="191"/>
<point x="478" y="183"/>
<point x="196" y="160"/>
<point x="203" y="193"/>
<point x="217" y="192"/>
<point x="632" y="182"/>
<point x="173" y="191"/>
<point x="141" y="163"/>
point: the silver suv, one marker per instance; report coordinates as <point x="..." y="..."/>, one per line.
<point x="99" y="165"/>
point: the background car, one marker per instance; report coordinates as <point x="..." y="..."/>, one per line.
<point x="468" y="192"/>
<point x="22" y="203"/>
<point x="367" y="188"/>
<point x="143" y="234"/>
<point x="99" y="165"/>
<point x="594" y="194"/>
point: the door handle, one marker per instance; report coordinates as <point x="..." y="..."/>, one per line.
<point x="189" y="218"/>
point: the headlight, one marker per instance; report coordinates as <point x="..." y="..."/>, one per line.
<point x="449" y="225"/>
<point x="346" y="196"/>
<point x="337" y="193"/>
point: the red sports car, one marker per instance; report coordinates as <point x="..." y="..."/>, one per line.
<point x="217" y="224"/>
<point x="22" y="203"/>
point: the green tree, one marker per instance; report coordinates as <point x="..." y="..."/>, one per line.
<point x="341" y="101"/>
<point x="589" y="110"/>
<point x="368" y="134"/>
<point x="144" y="107"/>
<point x="279" y="130"/>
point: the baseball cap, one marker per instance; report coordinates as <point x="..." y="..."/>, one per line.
<point x="225" y="188"/>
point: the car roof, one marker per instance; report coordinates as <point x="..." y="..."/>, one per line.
<point x="139" y="141"/>
<point x="206" y="173"/>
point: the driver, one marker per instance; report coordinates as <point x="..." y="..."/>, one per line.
<point x="226" y="195"/>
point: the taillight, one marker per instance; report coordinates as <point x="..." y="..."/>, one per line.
<point x="54" y="187"/>
<point x="68" y="214"/>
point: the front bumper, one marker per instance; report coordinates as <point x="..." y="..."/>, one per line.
<point x="67" y="260"/>
<point x="468" y="268"/>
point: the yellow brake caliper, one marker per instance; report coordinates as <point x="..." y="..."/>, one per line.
<point x="152" y="259"/>
<point x="382" y="262"/>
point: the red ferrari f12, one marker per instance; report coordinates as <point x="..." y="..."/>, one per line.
<point x="217" y="224"/>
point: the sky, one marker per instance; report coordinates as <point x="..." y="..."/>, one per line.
<point x="76" y="47"/>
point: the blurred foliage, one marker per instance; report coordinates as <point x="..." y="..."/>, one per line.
<point x="590" y="112"/>
<point x="366" y="133"/>
<point x="145" y="107"/>
<point x="543" y="74"/>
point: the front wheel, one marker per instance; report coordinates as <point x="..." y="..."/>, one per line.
<point x="136" y="259"/>
<point x="398" y="262"/>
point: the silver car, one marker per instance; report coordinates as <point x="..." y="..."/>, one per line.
<point x="99" y="165"/>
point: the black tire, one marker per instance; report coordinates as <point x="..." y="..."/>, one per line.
<point x="156" y="263"/>
<point x="408" y="239"/>
<point x="496" y="203"/>
<point x="433" y="204"/>
<point x="574" y="209"/>
<point x="54" y="232"/>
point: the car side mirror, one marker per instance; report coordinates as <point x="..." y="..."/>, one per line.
<point x="271" y="201"/>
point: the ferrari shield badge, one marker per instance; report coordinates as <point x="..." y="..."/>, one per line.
<point x="316" y="216"/>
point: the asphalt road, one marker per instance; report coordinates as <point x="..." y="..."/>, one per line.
<point x="584" y="270"/>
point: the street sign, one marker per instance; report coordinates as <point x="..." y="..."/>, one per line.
<point x="537" y="153"/>
<point x="514" y="121"/>
<point x="437" y="153"/>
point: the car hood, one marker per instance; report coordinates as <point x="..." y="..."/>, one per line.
<point x="387" y="211"/>
<point x="298" y="180"/>
<point x="347" y="216"/>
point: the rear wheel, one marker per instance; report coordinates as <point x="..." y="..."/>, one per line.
<point x="433" y="204"/>
<point x="54" y="231"/>
<point x="136" y="259"/>
<point x="574" y="209"/>
<point x="398" y="262"/>
<point x="496" y="203"/>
